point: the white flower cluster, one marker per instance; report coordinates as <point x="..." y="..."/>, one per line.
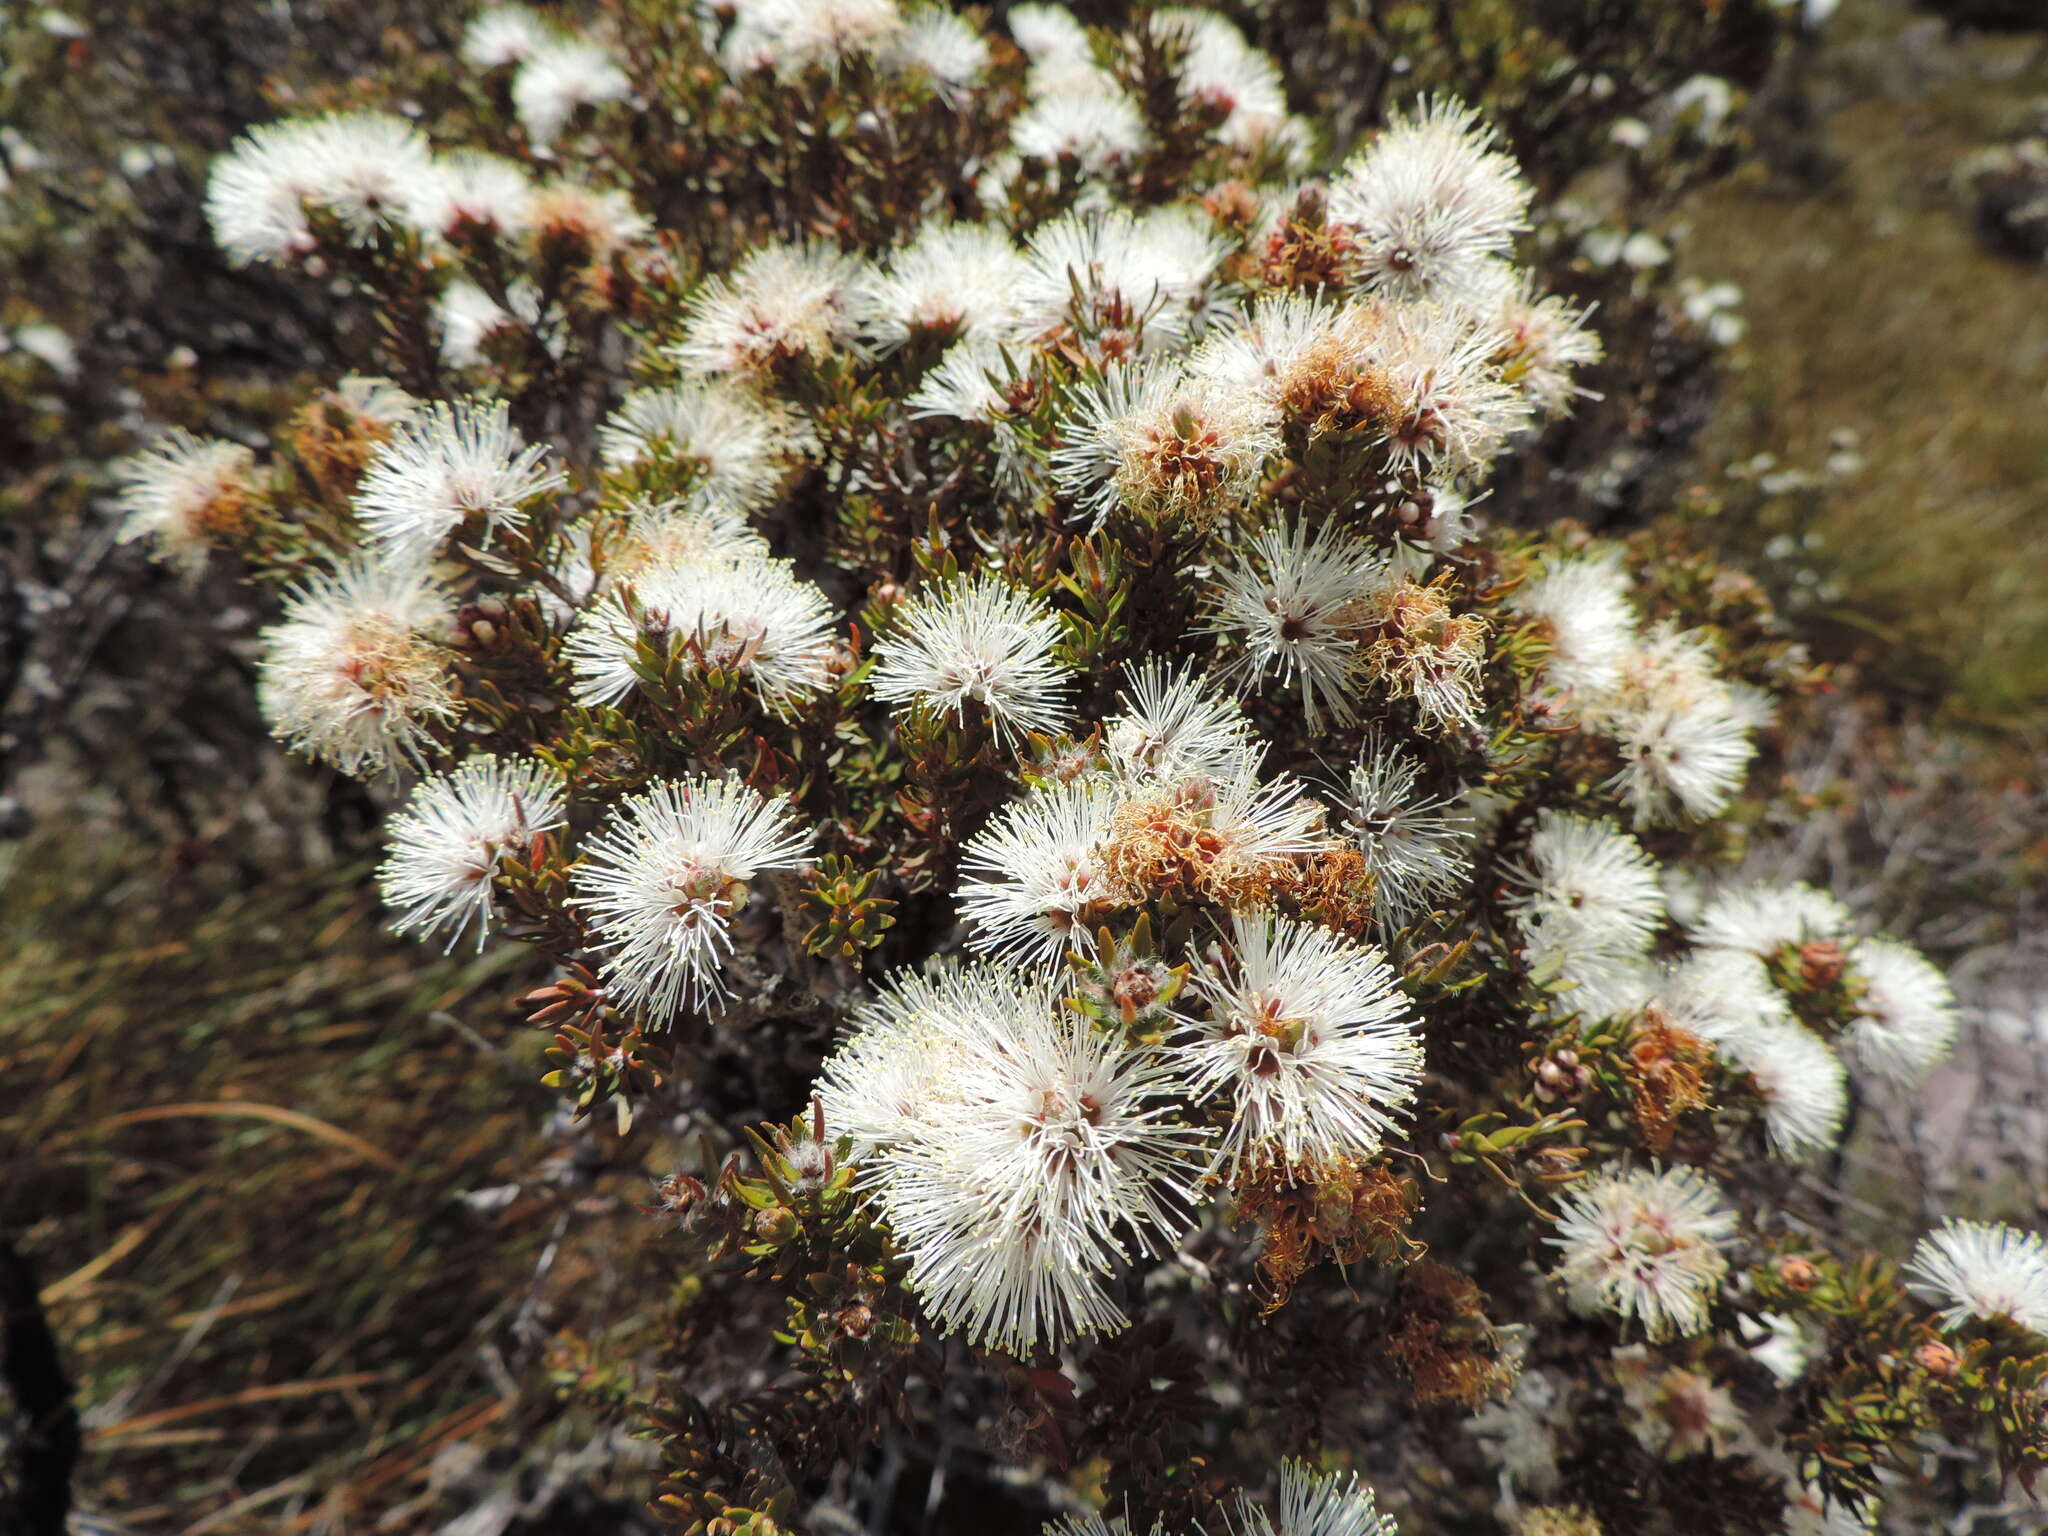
<point x="1288" y="397"/>
<point x="1591" y="910"/>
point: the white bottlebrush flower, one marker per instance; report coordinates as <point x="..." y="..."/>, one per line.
<point x="444" y="847"/>
<point x="1800" y="1080"/>
<point x="1033" y="880"/>
<point x="782" y="302"/>
<point x="375" y="403"/>
<point x="1694" y="758"/>
<point x="1983" y="1270"/>
<point x="1416" y="846"/>
<point x="734" y="447"/>
<point x="559" y="76"/>
<point x="1425" y="651"/>
<point x="1047" y="32"/>
<point x="597" y="222"/>
<point x="1100" y="129"/>
<point x="663" y="878"/>
<point x="966" y="384"/>
<point x="1454" y="410"/>
<point x="1286" y="348"/>
<point x="1430" y="201"/>
<point x="504" y="34"/>
<point x="1125" y="272"/>
<point x="755" y="617"/>
<point x="1906" y="1017"/>
<point x="1520" y="1433"/>
<point x="789" y="36"/>
<point x="1049" y="1154"/>
<point x="1682" y="732"/>
<point x="356" y="672"/>
<point x="1762" y="919"/>
<point x="1547" y="343"/>
<point x="361" y="168"/>
<point x="1675" y="1412"/>
<point x="1309" y="1039"/>
<point x="882" y="1085"/>
<point x="468" y="318"/>
<point x="671" y="535"/>
<point x="976" y="640"/>
<point x="1165" y="445"/>
<point x="1646" y="1244"/>
<point x="1175" y="724"/>
<point x="1294" y="605"/>
<point x="1583" y="605"/>
<point x="1315" y="1503"/>
<point x="945" y="49"/>
<point x="469" y="191"/>
<point x="1221" y="71"/>
<point x="950" y="281"/>
<point x="182" y="492"/>
<point x="1590" y="903"/>
<point x="1720" y="995"/>
<point x="457" y="467"/>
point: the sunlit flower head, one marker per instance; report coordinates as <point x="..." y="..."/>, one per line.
<point x="470" y="192"/>
<point x="1033" y="1156"/>
<point x="1646" y="1244"/>
<point x="1164" y="445"/>
<point x="670" y="535"/>
<point x="1983" y="1270"/>
<point x="1800" y="1080"/>
<point x="1453" y="412"/>
<point x="472" y="323"/>
<point x="751" y="616"/>
<point x="1583" y="606"/>
<point x="663" y="879"/>
<point x="444" y="847"/>
<point x="1117" y="276"/>
<point x="1761" y="919"/>
<point x="1417" y="846"/>
<point x="1295" y="604"/>
<point x="1175" y="723"/>
<point x="184" y="493"/>
<point x="453" y="468"/>
<point x="559" y="76"/>
<point x="978" y="641"/>
<point x="361" y="169"/>
<point x="1233" y="843"/>
<point x="1906" y="1017"/>
<point x="1424" y="649"/>
<point x="1309" y="1040"/>
<point x="723" y="449"/>
<point x="1588" y="906"/>
<point x="1033" y="880"/>
<point x="1547" y="344"/>
<point x="1223" y="73"/>
<point x="356" y="673"/>
<point x="945" y="49"/>
<point x="1313" y="1503"/>
<point x="1100" y="128"/>
<point x="1430" y="200"/>
<point x="792" y="35"/>
<point x="782" y="302"/>
<point x="504" y="34"/>
<point x="951" y="281"/>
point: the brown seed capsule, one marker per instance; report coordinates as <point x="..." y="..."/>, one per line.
<point x="1800" y="1274"/>
<point x="1936" y="1359"/>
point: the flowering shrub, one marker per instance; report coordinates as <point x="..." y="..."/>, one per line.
<point x="938" y="561"/>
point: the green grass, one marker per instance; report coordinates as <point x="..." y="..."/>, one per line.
<point x="1873" y="307"/>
